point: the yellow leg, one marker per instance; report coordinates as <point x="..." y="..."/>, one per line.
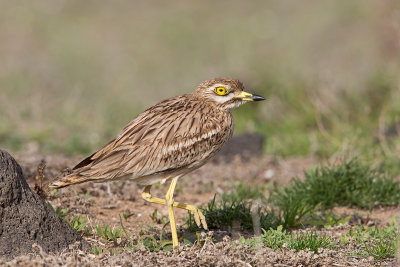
<point x="197" y="214"/>
<point x="169" y="201"/>
<point x="146" y="195"/>
<point x="169" y="198"/>
<point x="199" y="218"/>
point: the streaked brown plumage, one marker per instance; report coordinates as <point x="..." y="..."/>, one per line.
<point x="168" y="140"/>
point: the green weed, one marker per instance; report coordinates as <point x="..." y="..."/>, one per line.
<point x="108" y="234"/>
<point x="96" y="250"/>
<point x="346" y="184"/>
<point x="62" y="212"/>
<point x="127" y="214"/>
<point x="310" y="240"/>
<point x="380" y="249"/>
<point x="279" y="238"/>
<point x="363" y="234"/>
<point x="161" y="220"/>
<point x="275" y="238"/>
<point x="234" y="209"/>
<point x="254" y="242"/>
<point x="333" y="220"/>
<point x="126" y="232"/>
<point x="291" y="208"/>
<point x="78" y="223"/>
<point x="224" y="214"/>
<point x="115" y="251"/>
<point x="148" y="241"/>
<point x="379" y="243"/>
<point x="154" y="245"/>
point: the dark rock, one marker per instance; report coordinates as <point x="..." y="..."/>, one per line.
<point x="244" y="146"/>
<point x="26" y="219"/>
<point x="393" y="130"/>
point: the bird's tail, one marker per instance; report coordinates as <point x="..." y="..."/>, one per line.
<point x="69" y="180"/>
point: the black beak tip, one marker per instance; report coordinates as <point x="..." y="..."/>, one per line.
<point x="257" y="98"/>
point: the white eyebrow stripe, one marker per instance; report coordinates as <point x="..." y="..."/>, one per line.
<point x="221" y="98"/>
<point x="220" y="85"/>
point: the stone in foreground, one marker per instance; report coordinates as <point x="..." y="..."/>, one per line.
<point x="26" y="219"/>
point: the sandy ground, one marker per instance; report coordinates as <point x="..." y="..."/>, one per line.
<point x="103" y="205"/>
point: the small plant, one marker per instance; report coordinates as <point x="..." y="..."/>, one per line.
<point x="78" y="223"/>
<point x="224" y="214"/>
<point x="380" y="249"/>
<point x="161" y="220"/>
<point x="108" y="234"/>
<point x="291" y="209"/>
<point x="154" y="245"/>
<point x="275" y="238"/>
<point x="62" y="212"/>
<point x="96" y="250"/>
<point x="127" y="214"/>
<point x="279" y="238"/>
<point x="126" y="233"/>
<point x="310" y="240"/>
<point x="333" y="220"/>
<point x="379" y="243"/>
<point x="362" y="234"/>
<point x="115" y="251"/>
<point x="254" y="242"/>
<point x="149" y="242"/>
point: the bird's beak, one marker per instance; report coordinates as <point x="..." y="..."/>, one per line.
<point x="249" y="97"/>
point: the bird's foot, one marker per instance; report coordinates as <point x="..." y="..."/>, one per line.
<point x="199" y="218"/>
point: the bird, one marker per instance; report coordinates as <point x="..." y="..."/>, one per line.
<point x="166" y="142"/>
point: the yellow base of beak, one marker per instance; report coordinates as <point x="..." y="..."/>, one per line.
<point x="249" y="97"/>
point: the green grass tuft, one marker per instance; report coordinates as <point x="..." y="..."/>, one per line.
<point x="62" y="212"/>
<point x="96" y="250"/>
<point x="346" y="184"/>
<point x="291" y="208"/>
<point x="224" y="215"/>
<point x="310" y="240"/>
<point x="159" y="220"/>
<point x="275" y="239"/>
<point x="362" y="234"/>
<point x="379" y="243"/>
<point x="279" y="238"/>
<point x="108" y="234"/>
<point x="380" y="249"/>
<point x="79" y="224"/>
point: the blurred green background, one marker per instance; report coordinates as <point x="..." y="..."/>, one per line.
<point x="74" y="73"/>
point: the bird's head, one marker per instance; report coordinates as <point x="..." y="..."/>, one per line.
<point x="225" y="93"/>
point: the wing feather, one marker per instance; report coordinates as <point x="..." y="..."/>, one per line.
<point x="166" y="137"/>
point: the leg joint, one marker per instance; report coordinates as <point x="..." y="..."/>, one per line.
<point x="146" y="195"/>
<point x="170" y="200"/>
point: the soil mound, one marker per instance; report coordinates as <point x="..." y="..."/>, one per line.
<point x="26" y="219"/>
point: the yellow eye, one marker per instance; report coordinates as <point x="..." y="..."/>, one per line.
<point x="220" y="90"/>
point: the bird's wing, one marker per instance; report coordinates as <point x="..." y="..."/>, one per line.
<point x="171" y="135"/>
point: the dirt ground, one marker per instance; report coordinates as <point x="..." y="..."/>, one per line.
<point x="103" y="205"/>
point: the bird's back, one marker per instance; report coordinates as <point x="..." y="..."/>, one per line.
<point x="167" y="140"/>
